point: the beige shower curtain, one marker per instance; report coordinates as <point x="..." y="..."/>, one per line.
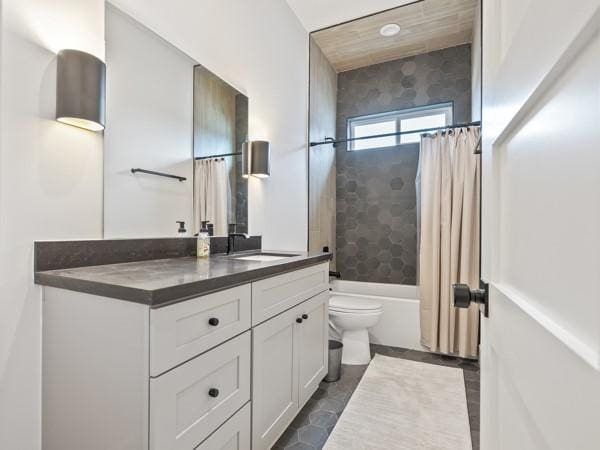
<point x="448" y="183"/>
<point x="211" y="186"/>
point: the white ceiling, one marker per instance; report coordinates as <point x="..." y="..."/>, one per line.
<point x="317" y="14"/>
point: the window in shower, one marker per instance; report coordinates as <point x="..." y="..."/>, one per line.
<point x="420" y="118"/>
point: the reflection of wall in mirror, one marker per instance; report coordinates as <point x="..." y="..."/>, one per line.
<point x="149" y="99"/>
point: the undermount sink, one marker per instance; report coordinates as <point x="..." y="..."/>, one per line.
<point x="263" y="257"/>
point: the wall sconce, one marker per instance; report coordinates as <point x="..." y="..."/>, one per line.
<point x="80" y="90"/>
<point x="256" y="159"/>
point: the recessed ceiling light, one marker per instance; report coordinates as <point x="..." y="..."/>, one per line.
<point x="391" y="29"/>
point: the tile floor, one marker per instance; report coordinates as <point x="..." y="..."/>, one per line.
<point x="316" y="420"/>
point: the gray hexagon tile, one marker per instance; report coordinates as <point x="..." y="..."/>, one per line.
<point x="310" y="429"/>
<point x="313" y="435"/>
<point x="376" y="196"/>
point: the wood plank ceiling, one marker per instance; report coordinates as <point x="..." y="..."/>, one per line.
<point x="425" y="26"/>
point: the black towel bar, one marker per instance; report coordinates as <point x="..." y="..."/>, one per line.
<point x="160" y="174"/>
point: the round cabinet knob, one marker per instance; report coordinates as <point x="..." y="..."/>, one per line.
<point x="299" y="320"/>
<point x="305" y="316"/>
<point x="213" y="321"/>
<point x="213" y="392"/>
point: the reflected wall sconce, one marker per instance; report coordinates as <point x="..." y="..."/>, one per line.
<point x="80" y="90"/>
<point x="256" y="159"/>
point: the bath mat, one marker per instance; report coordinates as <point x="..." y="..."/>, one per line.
<point x="402" y="404"/>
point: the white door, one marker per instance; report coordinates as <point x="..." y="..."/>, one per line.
<point x="541" y="224"/>
<point x="275" y="378"/>
<point x="312" y="344"/>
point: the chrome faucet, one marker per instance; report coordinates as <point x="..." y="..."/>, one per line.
<point x="231" y="241"/>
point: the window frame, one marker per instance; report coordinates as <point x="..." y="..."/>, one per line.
<point x="397" y="115"/>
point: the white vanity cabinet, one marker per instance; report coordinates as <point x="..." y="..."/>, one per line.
<point x="227" y="370"/>
<point x="289" y="361"/>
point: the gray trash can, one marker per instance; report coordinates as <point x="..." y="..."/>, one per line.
<point x="335" y="361"/>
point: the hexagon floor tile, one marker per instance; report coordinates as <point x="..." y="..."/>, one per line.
<point x="313" y="424"/>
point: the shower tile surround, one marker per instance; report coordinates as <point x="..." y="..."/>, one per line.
<point x="376" y="218"/>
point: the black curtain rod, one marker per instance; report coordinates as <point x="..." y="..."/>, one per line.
<point x="217" y="156"/>
<point x="160" y="174"/>
<point x="329" y="140"/>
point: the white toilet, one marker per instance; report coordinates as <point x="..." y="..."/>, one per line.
<point x="352" y="316"/>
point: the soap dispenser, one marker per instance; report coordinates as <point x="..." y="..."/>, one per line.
<point x="203" y="243"/>
<point x="181" y="232"/>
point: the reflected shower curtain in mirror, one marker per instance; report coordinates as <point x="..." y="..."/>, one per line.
<point x="448" y="186"/>
<point x="211" y="186"/>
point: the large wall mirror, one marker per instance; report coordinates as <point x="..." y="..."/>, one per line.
<point x="169" y="115"/>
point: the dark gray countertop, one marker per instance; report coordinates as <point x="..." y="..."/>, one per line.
<point x="161" y="282"/>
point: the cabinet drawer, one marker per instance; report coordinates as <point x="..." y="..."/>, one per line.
<point x="181" y="331"/>
<point x="191" y="401"/>
<point x="274" y="295"/>
<point x="232" y="435"/>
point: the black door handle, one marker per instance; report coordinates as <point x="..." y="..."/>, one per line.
<point x="305" y="316"/>
<point x="299" y="320"/>
<point x="464" y="296"/>
<point x="213" y="321"/>
<point x="213" y="392"/>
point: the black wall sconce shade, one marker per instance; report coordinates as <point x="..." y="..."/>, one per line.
<point x="256" y="159"/>
<point x="80" y="90"/>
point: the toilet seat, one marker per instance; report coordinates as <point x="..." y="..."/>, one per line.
<point x="353" y="305"/>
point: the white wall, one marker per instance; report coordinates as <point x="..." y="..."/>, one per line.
<point x="149" y="124"/>
<point x="50" y="187"/>
<point x="51" y="174"/>
<point x="261" y="48"/>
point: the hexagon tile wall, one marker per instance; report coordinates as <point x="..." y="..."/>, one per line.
<point x="376" y="231"/>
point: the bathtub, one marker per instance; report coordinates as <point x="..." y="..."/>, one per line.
<point x="399" y="323"/>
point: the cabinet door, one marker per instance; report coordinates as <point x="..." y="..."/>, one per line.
<point x="312" y="344"/>
<point x="275" y="378"/>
